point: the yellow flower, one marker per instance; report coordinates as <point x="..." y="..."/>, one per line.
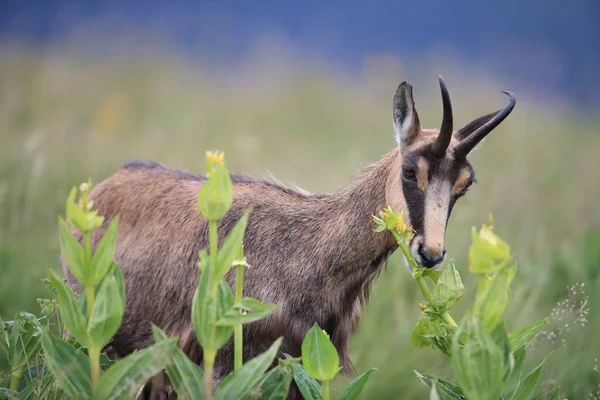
<point x="402" y="226"/>
<point x="216" y="158"/>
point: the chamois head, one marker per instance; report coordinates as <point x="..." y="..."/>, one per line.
<point x="434" y="171"/>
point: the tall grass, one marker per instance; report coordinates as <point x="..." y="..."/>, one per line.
<point x="66" y="115"/>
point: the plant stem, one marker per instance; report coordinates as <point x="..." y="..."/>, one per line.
<point x="237" y="332"/>
<point x="213" y="239"/>
<point x="209" y="362"/>
<point x="95" y="364"/>
<point x="325" y="390"/>
<point x="209" y="353"/>
<point x="421" y="281"/>
<point x="90" y="294"/>
<point x="15" y="378"/>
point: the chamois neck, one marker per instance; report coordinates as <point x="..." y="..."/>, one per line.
<point x="350" y="214"/>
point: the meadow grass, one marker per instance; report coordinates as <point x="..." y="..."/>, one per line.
<point x="66" y="115"/>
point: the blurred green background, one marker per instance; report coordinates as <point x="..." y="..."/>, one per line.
<point x="69" y="114"/>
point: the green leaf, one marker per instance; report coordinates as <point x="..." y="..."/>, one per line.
<point x="488" y="253"/>
<point x="246" y="311"/>
<point x="524" y="336"/>
<point x="443" y="343"/>
<point x="448" y="290"/>
<point x="479" y="362"/>
<point x="224" y="303"/>
<point x="232" y="246"/>
<point x="23" y="342"/>
<point x="104" y="254"/>
<point x="274" y="385"/>
<point x="319" y="355"/>
<point x="553" y="394"/>
<point x="71" y="368"/>
<point x="107" y="312"/>
<point x="354" y="388"/>
<point x="124" y="379"/>
<point x="308" y="386"/>
<point x="445" y="389"/>
<point x="72" y="252"/>
<point x="424" y="330"/>
<point x="70" y="313"/>
<point x="186" y="376"/>
<point x="216" y="195"/>
<point x="489" y="307"/>
<point x="528" y="384"/>
<point x="206" y="311"/>
<point x="511" y="382"/>
<point x="238" y="383"/>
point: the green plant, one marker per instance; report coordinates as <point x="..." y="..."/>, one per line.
<point x="487" y="360"/>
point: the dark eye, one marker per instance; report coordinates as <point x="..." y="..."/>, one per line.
<point x="409" y="173"/>
<point x="464" y="190"/>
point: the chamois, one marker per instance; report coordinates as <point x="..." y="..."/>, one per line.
<point x="314" y="255"/>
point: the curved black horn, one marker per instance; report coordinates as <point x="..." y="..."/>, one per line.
<point x="465" y="146"/>
<point x="445" y="135"/>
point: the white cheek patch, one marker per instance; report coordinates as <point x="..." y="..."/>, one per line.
<point x="437" y="202"/>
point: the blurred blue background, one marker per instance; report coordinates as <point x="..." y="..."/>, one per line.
<point x="551" y="46"/>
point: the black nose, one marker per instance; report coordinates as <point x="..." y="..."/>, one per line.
<point x="427" y="260"/>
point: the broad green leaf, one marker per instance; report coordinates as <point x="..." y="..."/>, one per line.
<point x="23" y="342"/>
<point x="424" y="329"/>
<point x="553" y="394"/>
<point x="445" y="389"/>
<point x="528" y="383"/>
<point x="216" y="195"/>
<point x="206" y="311"/>
<point x="72" y="252"/>
<point x="239" y="383"/>
<point x="104" y="254"/>
<point x="186" y="376"/>
<point x="274" y="385"/>
<point x="511" y="381"/>
<point x="124" y="378"/>
<point x="232" y="246"/>
<point x="71" y="368"/>
<point x="246" y="311"/>
<point x="107" y="312"/>
<point x="433" y="274"/>
<point x="224" y="303"/>
<point x="443" y="343"/>
<point x="308" y="386"/>
<point x="524" y="336"/>
<point x="70" y="313"/>
<point x="448" y="290"/>
<point x="488" y="253"/>
<point x="489" y="307"/>
<point x="479" y="362"/>
<point x="354" y="388"/>
<point x="319" y="356"/>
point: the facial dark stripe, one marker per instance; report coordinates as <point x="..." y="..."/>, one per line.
<point x="415" y="204"/>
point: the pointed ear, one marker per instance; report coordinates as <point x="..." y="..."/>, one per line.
<point x="406" y="119"/>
